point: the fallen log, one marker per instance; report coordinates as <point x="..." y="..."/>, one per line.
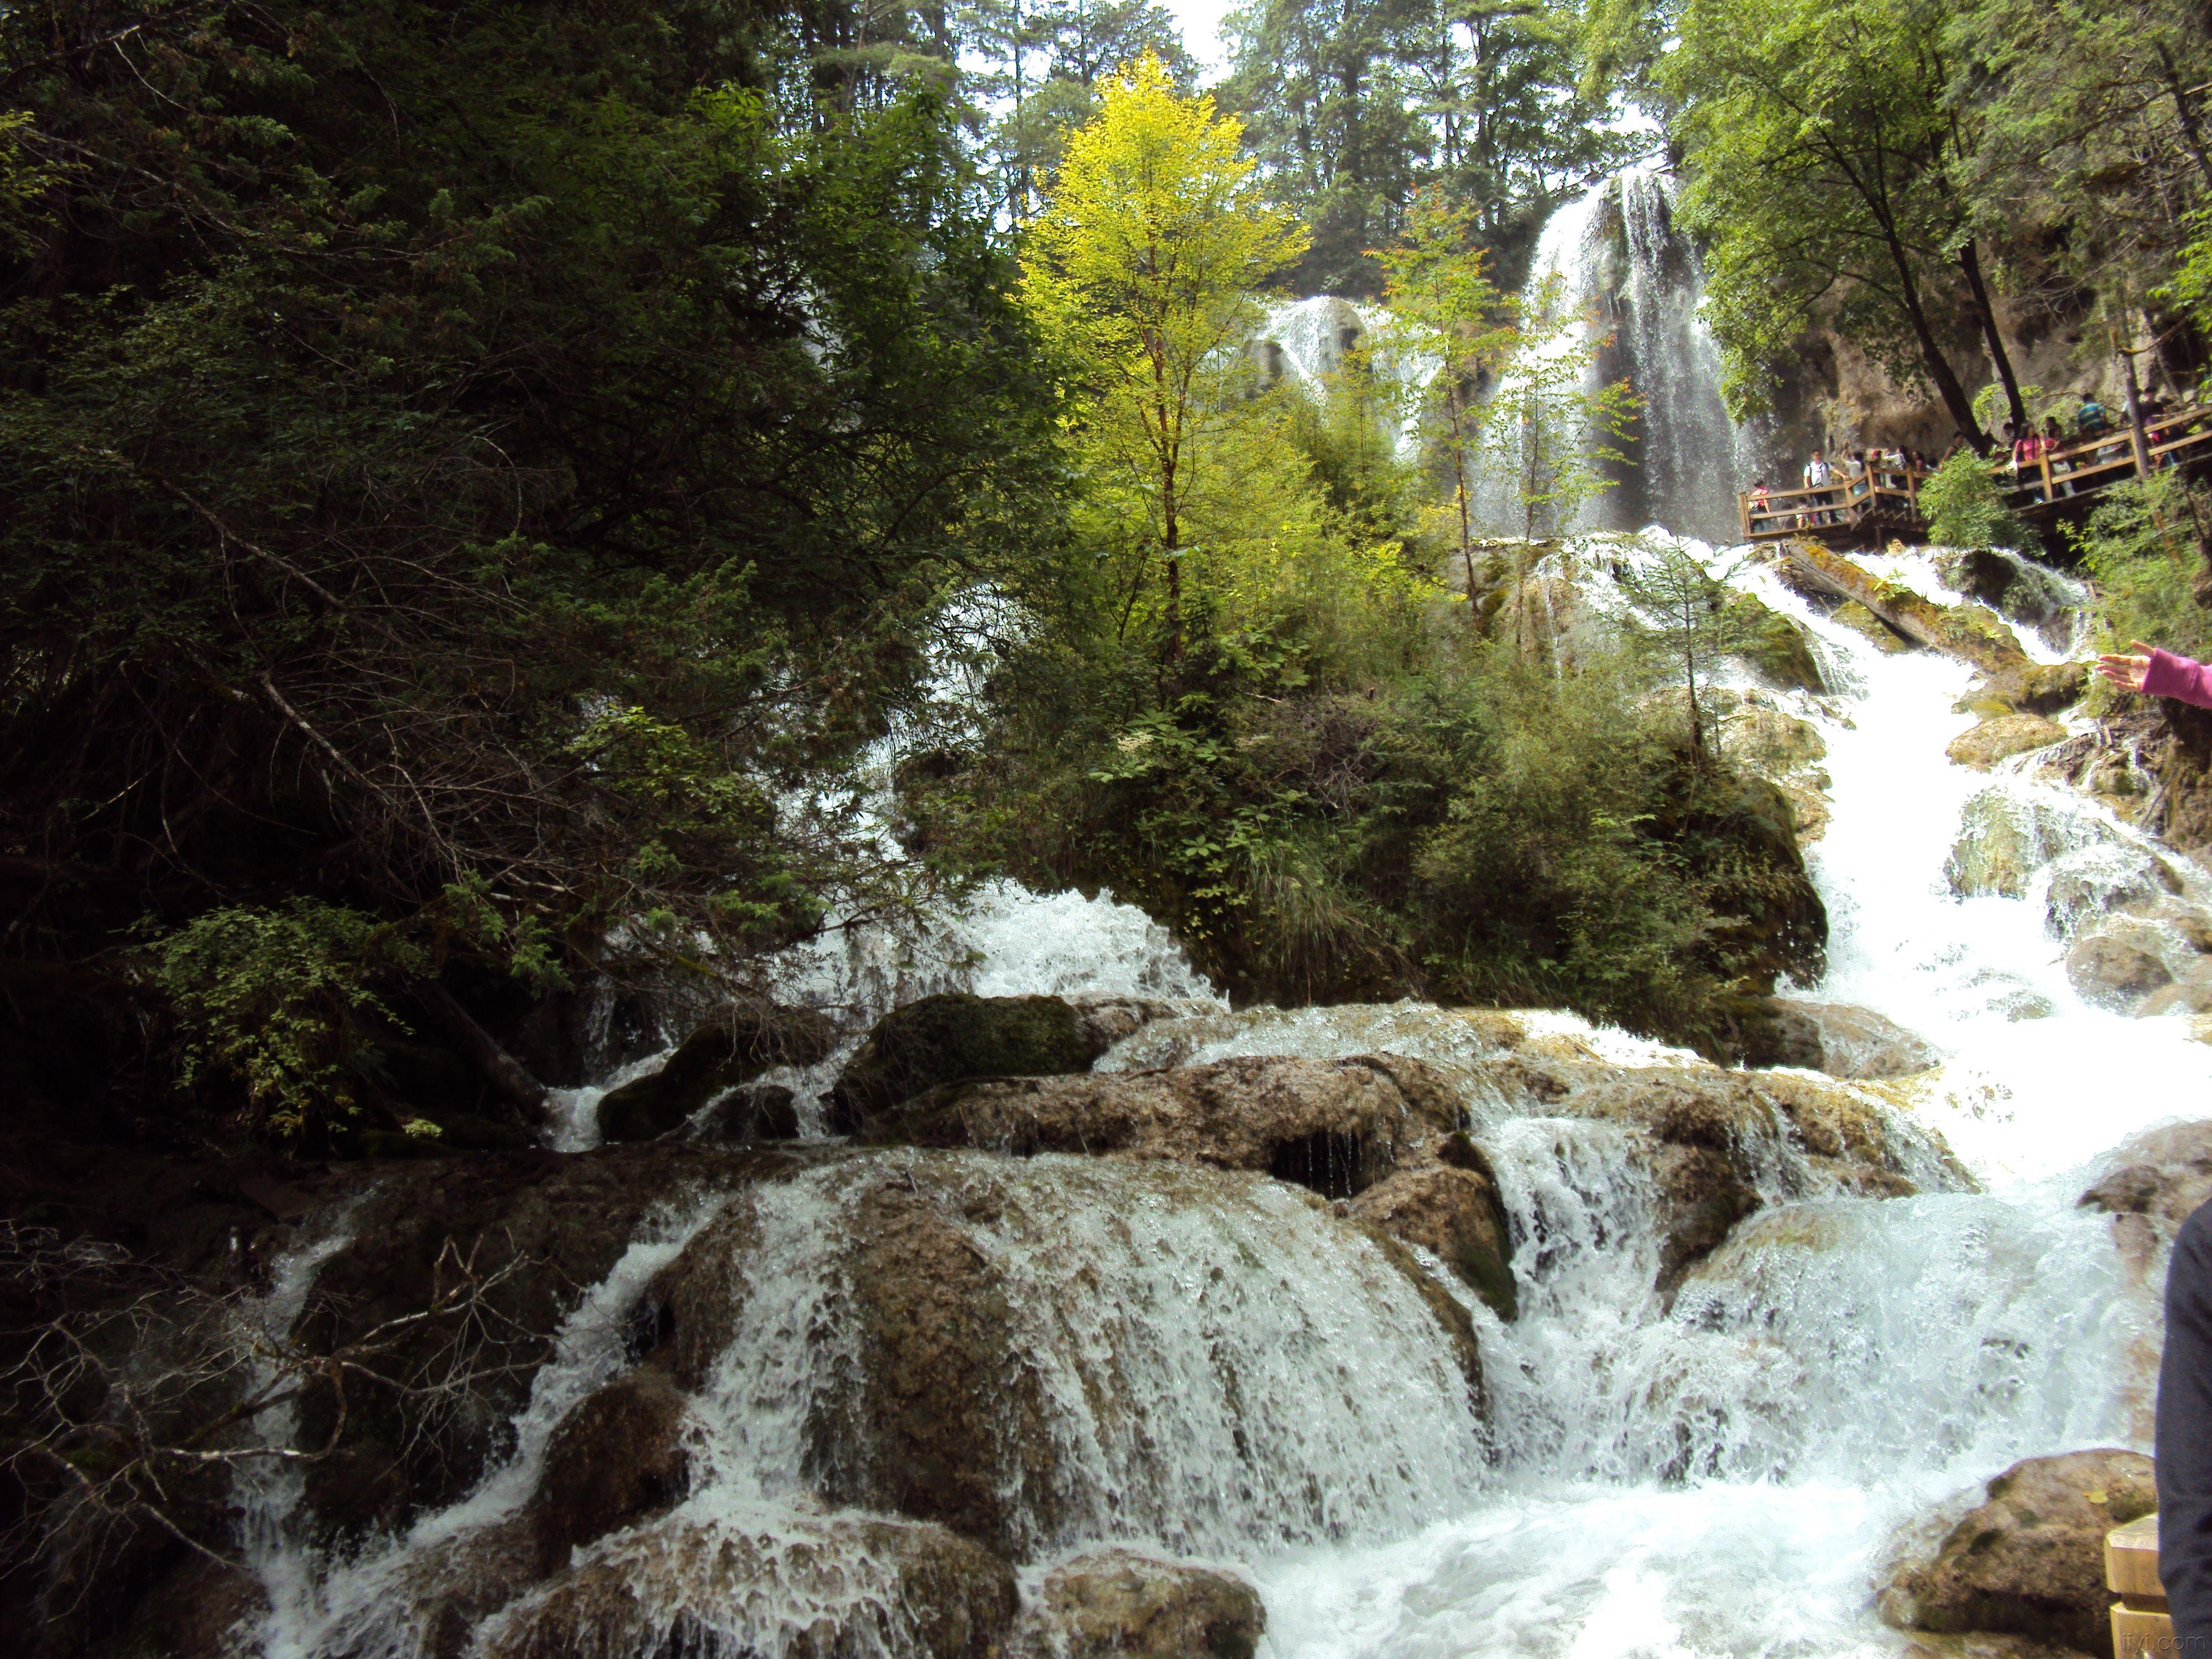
<point x="1967" y="632"/>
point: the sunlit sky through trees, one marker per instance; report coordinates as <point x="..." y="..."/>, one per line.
<point x="1201" y="32"/>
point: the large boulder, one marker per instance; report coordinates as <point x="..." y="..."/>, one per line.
<point x="1451" y="1208"/>
<point x="1857" y="1043"/>
<point x="534" y="1230"/>
<point x="1775" y="646"/>
<point x="2003" y="840"/>
<point x="617" y="1458"/>
<point x="860" y="1585"/>
<point x="2030" y="1561"/>
<point x="995" y="1334"/>
<point x="1335" y="1126"/>
<point x="747" y="1039"/>
<point x="1119" y="1604"/>
<point x="955" y="1036"/>
<point x="2107" y="879"/>
<point x="2160" y="1175"/>
<point x="2001" y="737"/>
<point x="2027" y="689"/>
<point x="2116" y="969"/>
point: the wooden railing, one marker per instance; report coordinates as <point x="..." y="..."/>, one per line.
<point x="1886" y="498"/>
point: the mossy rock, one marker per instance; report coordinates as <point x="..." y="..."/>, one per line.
<point x="954" y="1036"/>
<point x="1860" y="620"/>
<point x="2001" y="737"/>
<point x="1776" y="647"/>
<point x="2031" y="689"/>
<point x="736" y="1048"/>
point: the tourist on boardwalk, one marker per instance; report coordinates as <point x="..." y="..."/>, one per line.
<point x="2183" y="1442"/>
<point x="1818" y="476"/>
<point x="2054" y="440"/>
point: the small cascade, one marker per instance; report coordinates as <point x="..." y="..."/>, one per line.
<point x="1696" y="1452"/>
<point x="1190" y="1362"/>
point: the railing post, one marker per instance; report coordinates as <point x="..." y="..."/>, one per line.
<point x="2142" y="1626"/>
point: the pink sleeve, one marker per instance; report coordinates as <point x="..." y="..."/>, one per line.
<point x="2169" y="676"/>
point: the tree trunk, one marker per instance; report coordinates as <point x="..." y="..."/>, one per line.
<point x="1968" y="632"/>
<point x="2192" y="134"/>
<point x="507" y="1074"/>
<point x="1970" y="261"/>
<point x="1961" y="406"/>
<point x="1459" y="480"/>
<point x="2138" y="439"/>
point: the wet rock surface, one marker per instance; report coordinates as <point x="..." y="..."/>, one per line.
<point x="2115" y="970"/>
<point x="949" y="1038"/>
<point x="1982" y="746"/>
<point x="1721" y="1143"/>
<point x="1120" y="1602"/>
<point x="2160" y="1177"/>
<point x="1454" y="1213"/>
<point x="2030" y="1561"/>
<point x="1857" y="1043"/>
<point x="618" y="1457"/>
<point x="735" y="1047"/>
<point x="1861" y="621"/>
<point x="548" y="1226"/>
<point x="843" y="1584"/>
<point x="1336" y="1126"/>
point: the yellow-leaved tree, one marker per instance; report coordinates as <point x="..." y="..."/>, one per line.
<point x="1140" y="273"/>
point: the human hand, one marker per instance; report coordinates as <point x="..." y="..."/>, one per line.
<point x="2126" y="672"/>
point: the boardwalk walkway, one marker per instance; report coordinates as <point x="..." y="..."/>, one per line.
<point x="1884" y="504"/>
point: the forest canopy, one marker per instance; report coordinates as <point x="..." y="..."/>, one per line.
<point x="483" y="484"/>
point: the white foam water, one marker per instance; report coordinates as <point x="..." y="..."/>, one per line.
<point x="1722" y="1477"/>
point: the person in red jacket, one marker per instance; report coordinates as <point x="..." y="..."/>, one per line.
<point x="2184" y="1431"/>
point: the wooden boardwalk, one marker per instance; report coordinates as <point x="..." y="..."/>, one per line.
<point x="1883" y="504"/>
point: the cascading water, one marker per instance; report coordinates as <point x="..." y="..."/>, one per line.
<point x="1613" y="255"/>
<point x="1669" y="357"/>
<point x="1207" y="1362"/>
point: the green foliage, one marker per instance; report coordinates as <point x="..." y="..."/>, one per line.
<point x="1140" y="275"/>
<point x="1444" y="310"/>
<point x="1692" y="618"/>
<point x="1816" y="132"/>
<point x="1543" y="430"/>
<point x="485" y="449"/>
<point x="2145" y="547"/>
<point x="1964" y="508"/>
<point x="285" y="1002"/>
<point x="2088" y="118"/>
<point x="1351" y="106"/>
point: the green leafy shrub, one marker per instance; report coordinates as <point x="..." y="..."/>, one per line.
<point x="286" y="1002"/>
<point x="1965" y="509"/>
<point x="2145" y="549"/>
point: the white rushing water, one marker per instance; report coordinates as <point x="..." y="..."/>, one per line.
<point x="1722" y="1478"/>
<point x="1203" y="1362"/>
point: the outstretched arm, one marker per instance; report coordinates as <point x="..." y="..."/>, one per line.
<point x="2158" y="674"/>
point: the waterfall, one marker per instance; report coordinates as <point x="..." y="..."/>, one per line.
<point x="1303" y="1394"/>
<point x="1614" y="254"/>
<point x="1210" y="1363"/>
<point x="1669" y="355"/>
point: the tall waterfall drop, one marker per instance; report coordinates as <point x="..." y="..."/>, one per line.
<point x="1615" y="257"/>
